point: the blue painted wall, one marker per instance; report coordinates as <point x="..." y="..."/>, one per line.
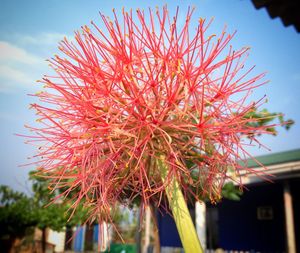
<point x="96" y="233"/>
<point x="79" y="239"/>
<point x="295" y="189"/>
<point x="240" y="229"/>
<point x="168" y="234"/>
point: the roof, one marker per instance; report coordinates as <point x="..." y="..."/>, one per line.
<point x="275" y="158"/>
<point x="287" y="10"/>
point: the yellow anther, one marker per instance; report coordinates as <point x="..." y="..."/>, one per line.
<point x="87" y="29"/>
<point x="85" y="135"/>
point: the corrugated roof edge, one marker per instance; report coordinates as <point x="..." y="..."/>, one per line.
<point x="275" y="158"/>
<point x="286" y="10"/>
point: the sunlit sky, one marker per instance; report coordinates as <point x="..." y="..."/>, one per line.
<point x="30" y="31"/>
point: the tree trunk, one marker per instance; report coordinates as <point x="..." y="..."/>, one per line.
<point x="8" y="245"/>
<point x="44" y="240"/>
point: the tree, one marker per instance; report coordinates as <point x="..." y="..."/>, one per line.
<point x="17" y="214"/>
<point x="51" y="211"/>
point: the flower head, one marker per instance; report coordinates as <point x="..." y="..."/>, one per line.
<point x="122" y="97"/>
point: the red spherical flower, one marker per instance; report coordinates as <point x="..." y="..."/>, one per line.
<point x="144" y="88"/>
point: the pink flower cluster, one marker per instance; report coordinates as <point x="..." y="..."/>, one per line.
<point x="144" y="87"/>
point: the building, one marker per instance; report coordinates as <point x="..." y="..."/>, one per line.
<point x="263" y="220"/>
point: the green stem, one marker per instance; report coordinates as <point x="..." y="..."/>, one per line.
<point x="181" y="214"/>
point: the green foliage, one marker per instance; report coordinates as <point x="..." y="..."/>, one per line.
<point x="231" y="192"/>
<point x="265" y="117"/>
<point x="20" y="213"/>
<point x="17" y="213"/>
<point x="128" y="248"/>
<point x="52" y="211"/>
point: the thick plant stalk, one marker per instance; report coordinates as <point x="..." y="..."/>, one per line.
<point x="182" y="217"/>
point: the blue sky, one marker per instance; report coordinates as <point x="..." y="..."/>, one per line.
<point x="30" y="31"/>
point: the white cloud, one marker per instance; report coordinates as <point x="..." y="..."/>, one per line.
<point x="11" y="53"/>
<point x="16" y="75"/>
<point x="22" y="59"/>
<point x="18" y="68"/>
<point x="43" y="39"/>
